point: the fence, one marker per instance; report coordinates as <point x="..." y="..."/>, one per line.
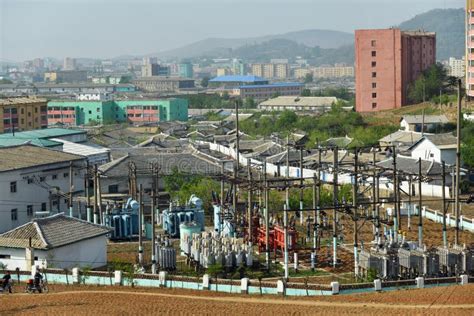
<point x="118" y="278"/>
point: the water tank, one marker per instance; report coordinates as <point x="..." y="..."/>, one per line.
<point x="134" y="224"/>
<point x="126" y="226"/>
<point x="117" y="224"/>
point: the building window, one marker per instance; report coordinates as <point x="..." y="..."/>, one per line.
<point x="14" y="214"/>
<point x="98" y="109"/>
<point x="90" y="112"/>
<point x="29" y="114"/>
<point x="29" y="210"/>
<point x="373" y="43"/>
<point x="374" y="75"/>
<point x="374" y="85"/>
<point x="42" y="179"/>
<point x="29" y="181"/>
<point x="43" y="207"/>
<point x="374" y="95"/>
<point x="374" y="53"/>
<point x="374" y="105"/>
<point x="5" y="256"/>
<point x="22" y="121"/>
<point x="374" y="64"/>
<point x="22" y="111"/>
<point x="13" y="187"/>
<point x="36" y="110"/>
<point x="113" y="188"/>
<point x="54" y="176"/>
<point x="66" y="174"/>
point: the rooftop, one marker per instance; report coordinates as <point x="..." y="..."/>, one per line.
<point x="273" y="85"/>
<point x="26" y="156"/>
<point x="81" y="149"/>
<point x="238" y="79"/>
<point x="299" y="101"/>
<point x="429" y="119"/>
<point x="42" y="133"/>
<point x="51" y="232"/>
<point x="162" y="78"/>
<point x="22" y="100"/>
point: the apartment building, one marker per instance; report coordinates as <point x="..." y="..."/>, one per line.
<point x="387" y="61"/>
<point x="163" y="84"/>
<point x="333" y="72"/>
<point x="22" y="114"/>
<point x="271" y="70"/>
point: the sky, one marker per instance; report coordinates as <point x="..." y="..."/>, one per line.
<point x="110" y="28"/>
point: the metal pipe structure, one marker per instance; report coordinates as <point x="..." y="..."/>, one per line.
<point x="445" y="233"/>
<point x="267" y="246"/>
<point x="154" y="194"/>
<point x="140" y="238"/>
<point x="420" y="211"/>
<point x="458" y="164"/>
<point x="396" y="221"/>
<point x="336" y="202"/>
<point x="315" y="226"/>
<point x="71" y="185"/>
<point x="96" y="217"/>
<point x="287" y="206"/>
<point x="249" y="202"/>
<point x="354" y="204"/>
<point x="301" y="184"/>
<point x="88" y="203"/>
<point x="409" y="202"/>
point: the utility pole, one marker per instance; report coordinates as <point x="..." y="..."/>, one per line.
<point x="395" y="193"/>
<point x="354" y="204"/>
<point x="249" y="202"/>
<point x="86" y="185"/>
<point x="96" y="218"/>
<point x="445" y="233"/>
<point x="423" y="122"/>
<point x="154" y="194"/>
<point x="71" y="185"/>
<point x="301" y="186"/>
<point x="374" y="201"/>
<point x="99" y="196"/>
<point x="267" y="246"/>
<point x="409" y="201"/>
<point x="140" y="238"/>
<point x="336" y="203"/>
<point x="420" y="211"/>
<point x="287" y="206"/>
<point x="315" y="226"/>
<point x="458" y="164"/>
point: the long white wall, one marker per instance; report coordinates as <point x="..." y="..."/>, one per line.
<point x="427" y="189"/>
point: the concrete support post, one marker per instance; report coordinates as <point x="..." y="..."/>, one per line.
<point x="162" y="277"/>
<point x="75" y="275"/>
<point x="280" y="287"/>
<point x="420" y="282"/>
<point x="205" y="282"/>
<point x="335" y="288"/>
<point x="118" y="277"/>
<point x="244" y="286"/>
<point x="378" y="285"/>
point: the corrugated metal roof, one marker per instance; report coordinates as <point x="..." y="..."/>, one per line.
<point x="8" y="142"/>
<point x="299" y="101"/>
<point x="43" y="133"/>
<point x="81" y="149"/>
<point x="21" y="100"/>
<point x="238" y="79"/>
<point x="273" y="85"/>
<point x="26" y="156"/>
<point x="429" y="119"/>
<point x="51" y="232"/>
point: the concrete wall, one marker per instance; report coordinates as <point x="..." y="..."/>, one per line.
<point x="35" y="193"/>
<point x="87" y="253"/>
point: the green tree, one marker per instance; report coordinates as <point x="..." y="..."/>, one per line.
<point x="286" y="120"/>
<point x="5" y="81"/>
<point x="429" y="84"/>
<point x="205" y="82"/>
<point x="249" y="103"/>
<point x="306" y="93"/>
<point x="308" y="78"/>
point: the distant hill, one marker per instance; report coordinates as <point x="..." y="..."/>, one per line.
<point x="325" y="46"/>
<point x="449" y="27"/>
<point x="224" y="46"/>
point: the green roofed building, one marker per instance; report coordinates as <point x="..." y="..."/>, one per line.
<point x="75" y="113"/>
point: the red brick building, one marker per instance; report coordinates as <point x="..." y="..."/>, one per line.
<point x="386" y="62"/>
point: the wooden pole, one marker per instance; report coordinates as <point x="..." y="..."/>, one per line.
<point x="336" y="203"/>
<point x="96" y="217"/>
<point x="71" y="185"/>
<point x="445" y="233"/>
<point x="420" y="211"/>
<point x="458" y="164"/>
<point x="140" y="238"/>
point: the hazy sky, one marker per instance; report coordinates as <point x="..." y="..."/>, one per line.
<point x="108" y="28"/>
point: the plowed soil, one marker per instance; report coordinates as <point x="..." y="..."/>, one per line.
<point x="62" y="300"/>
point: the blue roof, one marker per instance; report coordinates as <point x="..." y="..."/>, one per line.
<point x="238" y="79"/>
<point x="274" y="85"/>
<point x="43" y="133"/>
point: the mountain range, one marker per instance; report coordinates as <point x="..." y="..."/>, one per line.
<point x="324" y="46"/>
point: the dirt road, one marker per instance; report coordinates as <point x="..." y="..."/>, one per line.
<point x="454" y="300"/>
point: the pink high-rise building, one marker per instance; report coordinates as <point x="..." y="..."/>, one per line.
<point x="470" y="48"/>
<point x="386" y="62"/>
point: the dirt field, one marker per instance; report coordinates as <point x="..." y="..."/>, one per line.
<point x="62" y="300"/>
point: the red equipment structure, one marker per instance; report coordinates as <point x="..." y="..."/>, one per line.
<point x="276" y="239"/>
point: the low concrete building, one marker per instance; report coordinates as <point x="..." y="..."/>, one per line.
<point x="313" y="104"/>
<point x="437" y="147"/>
<point x="163" y="84"/>
<point x="96" y="155"/>
<point x="56" y="241"/>
<point x="413" y="123"/>
<point x="267" y="91"/>
<point x="35" y="180"/>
